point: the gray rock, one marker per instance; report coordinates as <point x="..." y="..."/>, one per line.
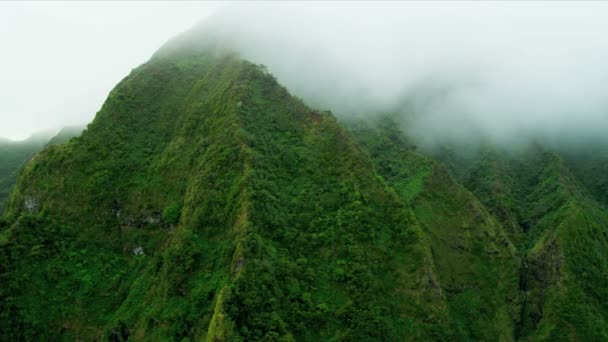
<point x="153" y="219"/>
<point x="31" y="204"/>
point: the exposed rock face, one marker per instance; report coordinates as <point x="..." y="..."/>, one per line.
<point x="238" y="265"/>
<point x="152" y="219"/>
<point x="116" y="212"/>
<point x="140" y="221"/>
<point x="31" y="204"/>
<point x="539" y="272"/>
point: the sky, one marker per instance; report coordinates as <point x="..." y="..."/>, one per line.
<point x="59" y="60"/>
<point x="455" y="69"/>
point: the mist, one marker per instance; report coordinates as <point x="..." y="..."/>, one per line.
<point x="454" y="71"/>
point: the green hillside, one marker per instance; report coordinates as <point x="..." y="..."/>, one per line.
<point x="14" y="154"/>
<point x="476" y="262"/>
<point x="205" y="202"/>
<point x="65" y="134"/>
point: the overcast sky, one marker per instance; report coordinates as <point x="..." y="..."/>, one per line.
<point x="504" y="68"/>
<point x="59" y="60"/>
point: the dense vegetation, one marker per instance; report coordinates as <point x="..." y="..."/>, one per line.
<point x="476" y="262"/>
<point x="14" y="154"/>
<point x="205" y="202"/>
<point x="549" y="202"/>
<point x="562" y="240"/>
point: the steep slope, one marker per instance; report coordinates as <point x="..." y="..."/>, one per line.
<point x="556" y="221"/>
<point x="501" y="179"/>
<point x="562" y="234"/>
<point x="567" y="262"/>
<point x="206" y="202"/>
<point x="476" y="263"/>
<point x="590" y="166"/>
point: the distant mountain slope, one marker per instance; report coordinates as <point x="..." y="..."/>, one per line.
<point x="65" y="134"/>
<point x="476" y="263"/>
<point x="14" y="154"/>
<point x="590" y="166"/>
<point x="562" y="235"/>
<point x="549" y="206"/>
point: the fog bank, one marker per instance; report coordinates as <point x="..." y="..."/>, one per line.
<point x="459" y="70"/>
<point x="506" y="71"/>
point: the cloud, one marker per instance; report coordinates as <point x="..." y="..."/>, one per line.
<point x="492" y="70"/>
<point x="454" y="70"/>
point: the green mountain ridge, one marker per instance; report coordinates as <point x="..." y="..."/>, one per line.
<point x="205" y="202"/>
<point x="560" y="230"/>
<point x="471" y="250"/>
<point x="270" y="189"/>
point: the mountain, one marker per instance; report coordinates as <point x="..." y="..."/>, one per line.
<point x="563" y="241"/>
<point x="549" y="202"/>
<point x="14" y="154"/>
<point x="205" y="202"/>
<point x="477" y="263"/>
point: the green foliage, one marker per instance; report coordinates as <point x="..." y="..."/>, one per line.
<point x="471" y="253"/>
<point x="171" y="213"/>
<point x="559" y="227"/>
<point x="204" y="202"/>
<point x="13" y="155"/>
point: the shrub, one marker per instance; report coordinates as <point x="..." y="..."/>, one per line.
<point x="171" y="213"/>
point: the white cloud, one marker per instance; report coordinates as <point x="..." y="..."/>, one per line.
<point x="504" y="69"/>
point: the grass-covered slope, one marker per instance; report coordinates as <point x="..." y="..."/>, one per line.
<point x="13" y="155"/>
<point x="205" y="202"/>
